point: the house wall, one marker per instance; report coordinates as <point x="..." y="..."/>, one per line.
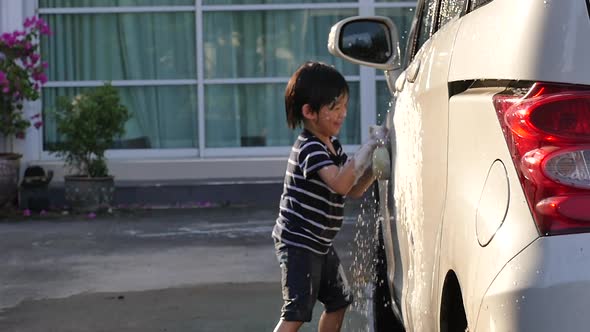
<point x="200" y="163"/>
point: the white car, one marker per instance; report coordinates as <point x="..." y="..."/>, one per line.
<point x="486" y="214"/>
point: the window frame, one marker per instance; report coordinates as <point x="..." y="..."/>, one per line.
<point x="412" y="48"/>
<point x="414" y="36"/>
<point x="367" y="83"/>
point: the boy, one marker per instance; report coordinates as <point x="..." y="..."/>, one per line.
<point x="319" y="175"/>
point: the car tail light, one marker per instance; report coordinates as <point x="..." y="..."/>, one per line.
<point x="548" y="134"/>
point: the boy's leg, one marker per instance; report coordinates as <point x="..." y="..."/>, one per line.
<point x="300" y="281"/>
<point x="331" y="321"/>
<point x="285" y="326"/>
<point x="335" y="293"/>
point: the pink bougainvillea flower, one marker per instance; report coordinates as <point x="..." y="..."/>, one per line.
<point x="35" y="57"/>
<point x="21" y="74"/>
<point x="42" y="78"/>
<point x="29" y="22"/>
<point x="26" y="212"/>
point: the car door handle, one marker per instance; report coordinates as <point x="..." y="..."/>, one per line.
<point x="412" y="71"/>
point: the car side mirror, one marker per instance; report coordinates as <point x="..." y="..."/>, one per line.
<point x="366" y="40"/>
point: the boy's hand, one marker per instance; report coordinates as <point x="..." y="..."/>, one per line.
<point x="363" y="157"/>
<point x="378" y="133"/>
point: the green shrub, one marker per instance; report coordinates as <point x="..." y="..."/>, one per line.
<point x="88" y="125"/>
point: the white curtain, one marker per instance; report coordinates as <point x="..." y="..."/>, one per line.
<point x="146" y="46"/>
<point x="237" y="46"/>
<point x="258" y="44"/>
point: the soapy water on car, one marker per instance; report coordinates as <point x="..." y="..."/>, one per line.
<point x="362" y="268"/>
<point x="363" y="250"/>
<point x="408" y="204"/>
<point x="408" y="215"/>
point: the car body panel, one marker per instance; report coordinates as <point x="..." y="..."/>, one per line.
<point x="524" y="40"/>
<point x="455" y="205"/>
<point x="545" y="288"/>
<point x="493" y="203"/>
<point x="474" y="133"/>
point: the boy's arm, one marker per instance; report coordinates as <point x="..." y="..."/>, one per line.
<point x="343" y="179"/>
<point x="363" y="183"/>
<point x="339" y="179"/>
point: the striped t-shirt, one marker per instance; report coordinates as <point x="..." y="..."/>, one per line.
<point x="310" y="213"/>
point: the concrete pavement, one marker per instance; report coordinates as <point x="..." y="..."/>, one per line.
<point x="203" y="269"/>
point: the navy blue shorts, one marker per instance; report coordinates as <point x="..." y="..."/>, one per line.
<point x="307" y="277"/>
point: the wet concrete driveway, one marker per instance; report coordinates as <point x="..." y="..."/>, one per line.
<point x="205" y="269"/>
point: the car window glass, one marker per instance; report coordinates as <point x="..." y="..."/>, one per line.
<point x="450" y="9"/>
<point x="426" y="22"/>
<point x="478" y="3"/>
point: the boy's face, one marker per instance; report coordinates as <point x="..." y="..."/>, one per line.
<point x="330" y="118"/>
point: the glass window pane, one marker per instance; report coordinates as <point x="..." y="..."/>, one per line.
<point x="112" y="3"/>
<point x="120" y="46"/>
<point x="402" y="17"/>
<point x="478" y="3"/>
<point x="162" y="117"/>
<point x="351" y="130"/>
<point x="449" y="9"/>
<point x="384" y="99"/>
<point x="269" y="43"/>
<point x="427" y="17"/>
<point x="254" y="115"/>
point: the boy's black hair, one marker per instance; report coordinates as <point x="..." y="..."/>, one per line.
<point x="316" y="84"/>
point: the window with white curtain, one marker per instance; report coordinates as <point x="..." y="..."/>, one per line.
<point x="200" y="75"/>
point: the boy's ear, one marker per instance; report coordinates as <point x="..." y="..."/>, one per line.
<point x="308" y="112"/>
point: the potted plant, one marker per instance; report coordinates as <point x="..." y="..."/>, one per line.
<point x="88" y="125"/>
<point x="21" y="76"/>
